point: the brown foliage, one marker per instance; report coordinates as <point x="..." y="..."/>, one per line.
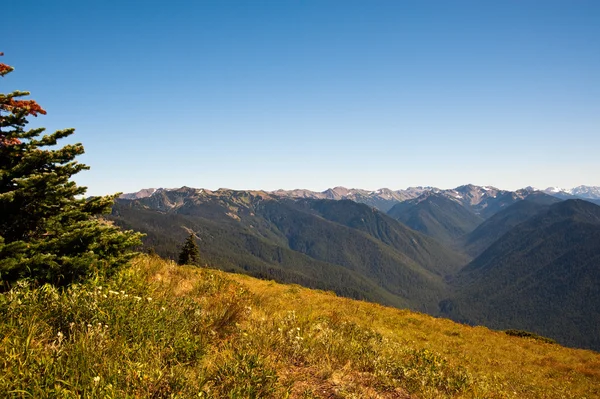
<point x="29" y="106"/>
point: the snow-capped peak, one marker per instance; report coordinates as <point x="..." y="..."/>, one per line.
<point x="555" y="190"/>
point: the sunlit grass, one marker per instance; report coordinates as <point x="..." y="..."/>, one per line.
<point x="165" y="331"/>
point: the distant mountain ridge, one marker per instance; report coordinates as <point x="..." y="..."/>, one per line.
<point x="583" y="192"/>
<point x="383" y="199"/>
<point x="483" y="200"/>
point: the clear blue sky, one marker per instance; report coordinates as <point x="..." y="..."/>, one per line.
<point x="315" y="94"/>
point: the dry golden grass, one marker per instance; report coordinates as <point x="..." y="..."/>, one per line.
<point x="165" y="331"/>
<point x="501" y="365"/>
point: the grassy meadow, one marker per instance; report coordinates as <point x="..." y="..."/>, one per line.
<point x="158" y="330"/>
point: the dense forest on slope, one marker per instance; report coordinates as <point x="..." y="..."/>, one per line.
<point x="498" y="224"/>
<point x="415" y="247"/>
<point x="232" y="249"/>
<point x="543" y="275"/>
<point x="437" y="216"/>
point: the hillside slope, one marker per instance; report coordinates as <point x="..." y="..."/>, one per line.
<point x="543" y="276"/>
<point x="209" y="334"/>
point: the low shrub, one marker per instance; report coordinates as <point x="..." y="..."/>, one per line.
<point x="527" y="334"/>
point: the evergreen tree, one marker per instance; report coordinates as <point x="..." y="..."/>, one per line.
<point x="189" y="254"/>
<point x="48" y="231"/>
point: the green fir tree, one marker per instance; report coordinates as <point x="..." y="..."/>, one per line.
<point x="189" y="254"/>
<point x="48" y="231"/>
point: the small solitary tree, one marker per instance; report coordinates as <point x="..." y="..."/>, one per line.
<point x="189" y="254"/>
<point x="48" y="231"/>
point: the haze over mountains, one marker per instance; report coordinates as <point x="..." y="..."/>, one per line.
<point x="526" y="259"/>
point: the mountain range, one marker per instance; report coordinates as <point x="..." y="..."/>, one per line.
<point x="479" y="255"/>
<point x="583" y="192"/>
<point x="384" y="198"/>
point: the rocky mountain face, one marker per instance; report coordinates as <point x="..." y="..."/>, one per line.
<point x="383" y="199"/>
<point x="588" y="192"/>
<point x="484" y="201"/>
<point x="146" y="192"/>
